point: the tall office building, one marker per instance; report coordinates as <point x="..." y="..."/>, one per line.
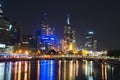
<point x="45" y="28"/>
<point x="14" y="34"/>
<point x="4" y="30"/>
<point x="90" y="42"/>
<point x="46" y="36"/>
<point x="9" y="33"/>
<point x="29" y="42"/>
<point x="69" y="36"/>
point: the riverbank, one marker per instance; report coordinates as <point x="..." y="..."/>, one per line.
<point x="62" y="57"/>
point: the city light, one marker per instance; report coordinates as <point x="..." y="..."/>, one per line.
<point x="85" y="52"/>
<point x="71" y="46"/>
<point x="10" y="27"/>
<point x="48" y="38"/>
<point x="38" y="48"/>
<point x="2" y="45"/>
<point x="90" y="32"/>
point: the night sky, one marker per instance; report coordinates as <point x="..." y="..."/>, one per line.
<point x="100" y="16"/>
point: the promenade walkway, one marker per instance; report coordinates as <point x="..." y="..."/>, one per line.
<point x="59" y="57"/>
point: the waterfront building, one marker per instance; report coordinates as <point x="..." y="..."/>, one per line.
<point x="27" y="45"/>
<point x="68" y="41"/>
<point x="46" y="36"/>
<point x="9" y="33"/>
<point x="4" y="31"/>
<point x="14" y="34"/>
<point x="4" y="28"/>
<point x="90" y="42"/>
<point x="29" y="42"/>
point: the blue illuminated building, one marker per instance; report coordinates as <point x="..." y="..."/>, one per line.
<point x="46" y="36"/>
<point x="47" y="42"/>
<point x="48" y="39"/>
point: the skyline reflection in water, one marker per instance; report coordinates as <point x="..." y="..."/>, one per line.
<point x="58" y="70"/>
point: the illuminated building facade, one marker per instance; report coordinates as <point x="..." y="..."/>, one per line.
<point x="4" y="31"/>
<point x="68" y="42"/>
<point x="29" y="42"/>
<point x="14" y="34"/>
<point x="46" y="37"/>
<point x="4" y="28"/>
<point x="90" y="42"/>
<point x="9" y="33"/>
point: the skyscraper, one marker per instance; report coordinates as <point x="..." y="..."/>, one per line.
<point x="9" y="33"/>
<point x="4" y="30"/>
<point x="14" y="34"/>
<point x="46" y="36"/>
<point x="69" y="36"/>
<point x="29" y="42"/>
<point x="90" y="41"/>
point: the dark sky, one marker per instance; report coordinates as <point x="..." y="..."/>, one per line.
<point x="100" y="16"/>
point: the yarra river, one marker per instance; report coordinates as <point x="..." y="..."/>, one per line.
<point x="58" y="70"/>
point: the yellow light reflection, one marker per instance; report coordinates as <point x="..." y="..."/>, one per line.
<point x="74" y="69"/>
<point x="103" y="75"/>
<point x="38" y="70"/>
<point x="19" y="71"/>
<point x="77" y="66"/>
<point x="64" y="69"/>
<point x="15" y="75"/>
<point x="86" y="69"/>
<point x="59" y="72"/>
<point x="25" y="73"/>
<point x="71" y="70"/>
<point x="105" y="72"/>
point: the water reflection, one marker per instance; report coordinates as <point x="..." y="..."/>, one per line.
<point x="2" y="67"/>
<point x="58" y="70"/>
<point x="47" y="70"/>
<point x="21" y="70"/>
<point x="69" y="70"/>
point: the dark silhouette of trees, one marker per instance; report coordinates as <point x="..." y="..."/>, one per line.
<point x="114" y="53"/>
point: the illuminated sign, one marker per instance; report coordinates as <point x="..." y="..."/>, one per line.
<point x="90" y="33"/>
<point x="47" y="38"/>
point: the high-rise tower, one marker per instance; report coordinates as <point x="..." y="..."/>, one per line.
<point x="90" y="42"/>
<point x="45" y="28"/>
<point x="46" y="35"/>
<point x="4" y="30"/>
<point x="69" y="36"/>
<point x="14" y="34"/>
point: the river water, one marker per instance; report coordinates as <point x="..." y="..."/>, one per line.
<point x="59" y="70"/>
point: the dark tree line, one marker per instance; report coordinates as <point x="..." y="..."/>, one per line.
<point x="114" y="53"/>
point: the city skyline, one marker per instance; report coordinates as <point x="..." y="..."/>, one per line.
<point x="102" y="17"/>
